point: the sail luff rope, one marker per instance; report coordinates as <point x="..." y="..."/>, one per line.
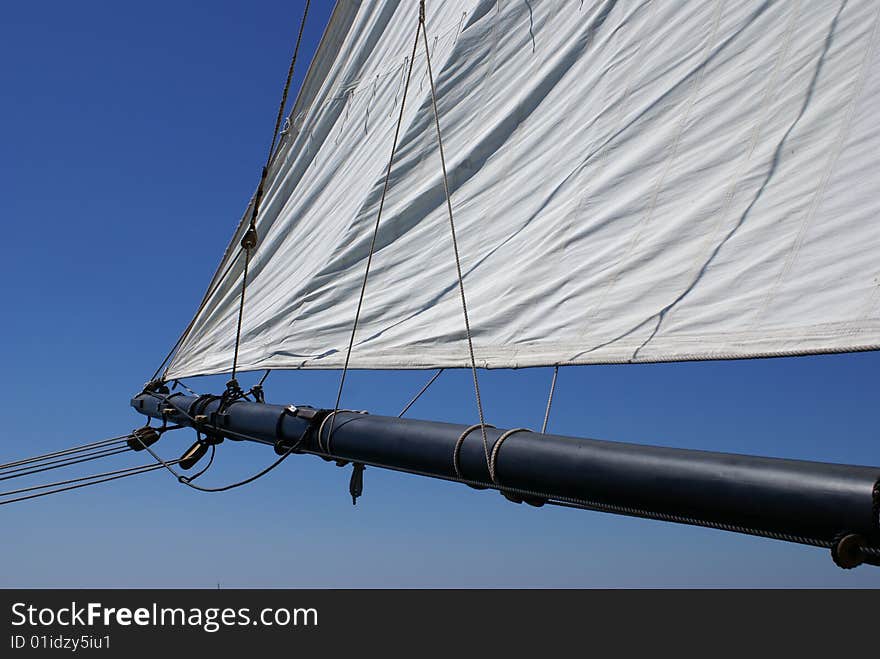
<point x="360" y="303"/>
<point x="192" y="322"/>
<point x="280" y="117"/>
<point x="247" y="259"/>
<point x="254" y="211"/>
<point x="467" y="324"/>
<point x="249" y="240"/>
<point x="550" y="399"/>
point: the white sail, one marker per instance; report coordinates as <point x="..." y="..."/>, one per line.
<point x="631" y="181"/>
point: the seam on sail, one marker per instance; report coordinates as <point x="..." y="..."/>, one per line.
<point x="871" y="307"/>
<point x="671" y="154"/>
<point x="638" y="59"/>
<point x="710" y="249"/>
<point x="836" y="149"/>
<point x="390" y="351"/>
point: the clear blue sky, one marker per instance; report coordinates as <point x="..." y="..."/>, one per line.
<point x="133" y="135"/>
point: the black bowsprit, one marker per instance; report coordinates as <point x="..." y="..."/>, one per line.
<point x="793" y="500"/>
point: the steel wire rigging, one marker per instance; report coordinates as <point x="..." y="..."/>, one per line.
<point x="94" y="479"/>
<point x="75" y="455"/>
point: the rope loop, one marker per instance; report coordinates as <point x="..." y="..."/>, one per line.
<point x="326" y="448"/>
<point x="456" y="452"/>
<point x="493" y="459"/>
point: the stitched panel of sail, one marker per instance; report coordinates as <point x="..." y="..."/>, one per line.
<point x="632" y="181"/>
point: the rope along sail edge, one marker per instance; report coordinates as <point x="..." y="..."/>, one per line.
<point x="250" y="234"/>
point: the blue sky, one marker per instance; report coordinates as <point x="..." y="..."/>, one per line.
<point x="133" y="136"/>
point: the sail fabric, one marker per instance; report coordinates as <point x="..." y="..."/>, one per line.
<point x="631" y="182"/>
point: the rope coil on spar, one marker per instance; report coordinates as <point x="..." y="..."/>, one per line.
<point x="331" y="417"/>
<point x="456" y="451"/>
<point x="493" y="459"/>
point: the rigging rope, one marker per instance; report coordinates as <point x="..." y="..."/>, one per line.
<point x="73" y="449"/>
<point x="80" y="479"/>
<point x="178" y="383"/>
<point x="549" y="400"/>
<point x="207" y="466"/>
<point x="183" y="480"/>
<point x="419" y="395"/>
<point x="280" y="117"/>
<point x="58" y="464"/>
<point x="140" y="470"/>
<point x="360" y="303"/>
<point x="467" y="324"/>
<point x="186" y="481"/>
